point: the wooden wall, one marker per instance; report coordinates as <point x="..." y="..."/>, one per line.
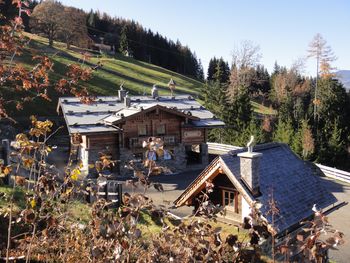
<point x="101" y="141"/>
<point x="152" y="120"/>
<point x="193" y="136"/>
<point x="173" y="127"/>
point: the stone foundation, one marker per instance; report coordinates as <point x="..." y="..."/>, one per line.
<point x="178" y="163"/>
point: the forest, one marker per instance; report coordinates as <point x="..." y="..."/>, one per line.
<point x="312" y="113"/>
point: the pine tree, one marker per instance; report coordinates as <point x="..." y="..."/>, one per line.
<point x="124" y="44"/>
<point x="215" y="97"/>
<point x="91" y="19"/>
<point x="243" y="136"/>
<point x="296" y="143"/>
<point x="200" y="72"/>
<point x="215" y="100"/>
<point x="284" y="132"/>
<point x="238" y="112"/>
<point x="212" y="68"/>
<point x="276" y="68"/>
<point x="333" y="152"/>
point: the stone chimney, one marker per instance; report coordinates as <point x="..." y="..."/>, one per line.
<point x="155" y="92"/>
<point x="250" y="165"/>
<point x="127" y="101"/>
<point x="121" y="93"/>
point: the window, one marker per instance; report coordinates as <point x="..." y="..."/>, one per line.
<point x="142" y="130"/>
<point x="161" y="129"/>
<point x="134" y="142"/>
<point x="229" y="200"/>
<point x="169" y="140"/>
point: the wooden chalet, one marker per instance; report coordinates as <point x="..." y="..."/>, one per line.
<point x="244" y="178"/>
<point x="119" y="124"/>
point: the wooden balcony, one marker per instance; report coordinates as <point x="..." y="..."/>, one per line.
<point x="136" y="142"/>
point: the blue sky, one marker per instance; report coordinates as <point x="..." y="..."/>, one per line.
<point x="282" y="29"/>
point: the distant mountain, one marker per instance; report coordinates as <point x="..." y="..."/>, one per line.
<point x="344" y="77"/>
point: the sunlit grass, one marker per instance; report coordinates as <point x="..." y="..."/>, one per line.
<point x="136" y="76"/>
<point x="259" y="108"/>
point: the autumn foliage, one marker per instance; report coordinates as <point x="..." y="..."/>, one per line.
<point x="32" y="83"/>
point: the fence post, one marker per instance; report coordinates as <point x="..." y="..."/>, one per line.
<point x="119" y="194"/>
<point x="6" y="157"/>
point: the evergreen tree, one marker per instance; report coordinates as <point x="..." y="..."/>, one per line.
<point x="215" y="100"/>
<point x="276" y="68"/>
<point x="215" y="97"/>
<point x="238" y="112"/>
<point x="218" y="70"/>
<point x="296" y="142"/>
<point x="91" y="19"/>
<point x="284" y="132"/>
<point x="124" y="45"/>
<point x="333" y="152"/>
<point x="200" y="71"/>
<point x="261" y="83"/>
<point x="334" y="106"/>
<point x="212" y="68"/>
<point x="222" y="71"/>
<point x="253" y="128"/>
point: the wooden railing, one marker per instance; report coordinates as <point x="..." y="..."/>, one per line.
<point x="136" y="142"/>
<point x="219" y="148"/>
<point x="335" y="173"/>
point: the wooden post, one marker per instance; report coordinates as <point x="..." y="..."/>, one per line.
<point x="6" y="157"/>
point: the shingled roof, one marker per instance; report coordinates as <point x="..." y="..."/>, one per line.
<point x="295" y="184"/>
<point x="104" y="111"/>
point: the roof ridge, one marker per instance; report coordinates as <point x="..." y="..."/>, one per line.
<point x="258" y="147"/>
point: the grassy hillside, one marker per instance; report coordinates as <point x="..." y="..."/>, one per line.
<point x="138" y="77"/>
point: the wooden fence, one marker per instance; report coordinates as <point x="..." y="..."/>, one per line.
<point x="335" y="173"/>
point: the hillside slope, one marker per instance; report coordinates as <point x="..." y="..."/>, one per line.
<point x="137" y="77"/>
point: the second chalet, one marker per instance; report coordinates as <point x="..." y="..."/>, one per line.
<point x="272" y="172"/>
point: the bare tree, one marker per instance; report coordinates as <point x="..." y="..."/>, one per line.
<point x="324" y="55"/>
<point x="47" y="19"/>
<point x="247" y="55"/>
<point x="72" y="29"/>
<point x="244" y="60"/>
<point x="298" y="65"/>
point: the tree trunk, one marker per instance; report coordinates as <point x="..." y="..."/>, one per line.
<point x="50" y="41"/>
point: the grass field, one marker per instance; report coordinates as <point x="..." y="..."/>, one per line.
<point x="136" y="76"/>
<point x="80" y="212"/>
